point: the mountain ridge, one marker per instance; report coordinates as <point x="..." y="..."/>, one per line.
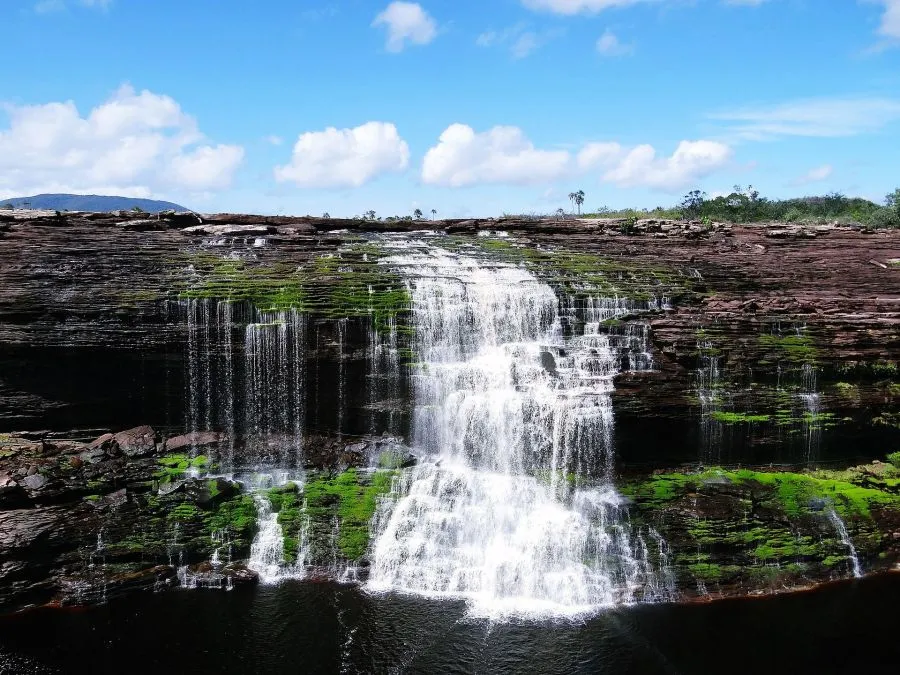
<point x="97" y="203"/>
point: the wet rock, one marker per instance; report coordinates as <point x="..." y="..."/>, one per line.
<point x="195" y="439"/>
<point x="143" y="225"/>
<point x="208" y="493"/>
<point x="35" y="481"/>
<point x="548" y="362"/>
<point x="104" y="442"/>
<point x="230" y="230"/>
<point x="20" y="528"/>
<point x="92" y="456"/>
<point x="137" y="442"/>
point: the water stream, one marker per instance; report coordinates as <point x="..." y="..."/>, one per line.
<point x="846" y="541"/>
<point x="513" y="508"/>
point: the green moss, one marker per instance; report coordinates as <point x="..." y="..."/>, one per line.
<point x="237" y="516"/>
<point x="350" y="283"/>
<point x="794" y="349"/>
<point x="584" y="274"/>
<point x="185" y="512"/>
<point x="847" y="389"/>
<point x="794" y="493"/>
<point x="93" y="498"/>
<point x="738" y="418"/>
<point x="894" y="459"/>
<point x="354" y="497"/>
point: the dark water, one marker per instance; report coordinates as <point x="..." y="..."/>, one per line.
<point x="320" y="628"/>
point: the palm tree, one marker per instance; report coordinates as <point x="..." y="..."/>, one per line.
<point x="417" y="214"/>
<point x="433" y="213"/>
<point x="577" y="198"/>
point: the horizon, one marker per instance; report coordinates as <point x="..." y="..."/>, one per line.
<point x="346" y="108"/>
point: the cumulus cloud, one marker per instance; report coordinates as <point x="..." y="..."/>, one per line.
<point x="345" y="157"/>
<point x="134" y="143"/>
<point x="824" y="117"/>
<point x="815" y="175"/>
<point x="505" y="155"/>
<point x="500" y="155"/>
<point x="406" y="23"/>
<point x="691" y="161"/>
<point x="890" y="20"/>
<point x="609" y="45"/>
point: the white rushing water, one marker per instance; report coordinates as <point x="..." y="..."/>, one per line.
<point x="513" y="507"/>
<point x="846" y="541"/>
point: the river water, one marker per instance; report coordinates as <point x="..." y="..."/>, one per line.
<point x="304" y="627"/>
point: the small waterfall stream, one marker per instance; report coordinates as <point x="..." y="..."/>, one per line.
<point x="514" y="507"/>
<point x="846" y="541"/>
<point x="267" y="550"/>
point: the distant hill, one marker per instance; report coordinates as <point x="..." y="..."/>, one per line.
<point x="89" y="203"/>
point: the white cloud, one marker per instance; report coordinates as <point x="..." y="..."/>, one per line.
<point x="48" y="6"/>
<point x="520" y="40"/>
<point x="570" y="7"/>
<point x="745" y="3"/>
<point x="824" y="117"/>
<point x="608" y="44"/>
<point x="345" y="157"/>
<point x="499" y="155"/>
<point x="815" y="175"/>
<point x="504" y="155"/>
<point x="133" y="143"/>
<point x="691" y="161"/>
<point x="274" y="140"/>
<point x="406" y="22"/>
<point x="890" y="20"/>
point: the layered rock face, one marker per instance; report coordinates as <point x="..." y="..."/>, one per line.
<point x="210" y="400"/>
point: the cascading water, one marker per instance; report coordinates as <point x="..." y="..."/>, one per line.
<point x="811" y="422"/>
<point x="260" y="398"/>
<point x="846" y="541"/>
<point x="267" y="550"/>
<point x="514" y="507"/>
<point x="708" y="392"/>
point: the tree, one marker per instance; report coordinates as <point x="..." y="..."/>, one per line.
<point x="560" y="213"/>
<point x="433" y="213"/>
<point x="577" y="198"/>
<point x="892" y="201"/>
<point x="370" y="215"/>
<point x="326" y="215"/>
<point x="692" y="204"/>
<point x="417" y="214"/>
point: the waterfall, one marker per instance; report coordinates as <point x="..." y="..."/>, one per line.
<point x="810" y="398"/>
<point x="267" y="549"/>
<point x="259" y="398"/>
<point x="513" y="506"/>
<point x="846" y="541"/>
<point x="709" y="380"/>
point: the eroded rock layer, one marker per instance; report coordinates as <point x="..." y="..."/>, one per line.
<point x="264" y="368"/>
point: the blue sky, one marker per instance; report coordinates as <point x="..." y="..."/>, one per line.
<point x="468" y="107"/>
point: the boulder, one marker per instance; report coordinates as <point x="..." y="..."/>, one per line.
<point x="194" y="439"/>
<point x="137" y="442"/>
<point x="35" y="481"/>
